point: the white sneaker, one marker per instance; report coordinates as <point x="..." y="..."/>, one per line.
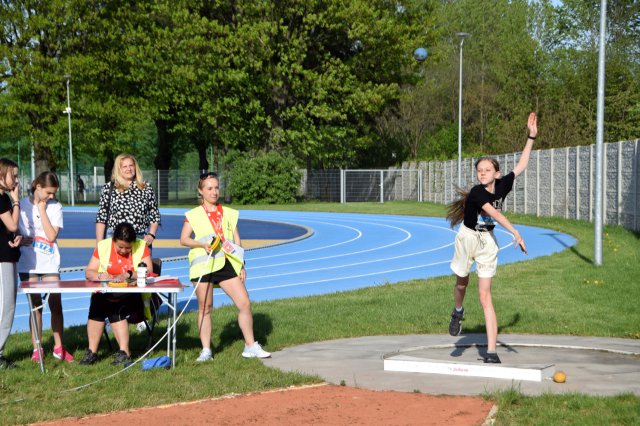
<point x="255" y="351"/>
<point x="205" y="355"/>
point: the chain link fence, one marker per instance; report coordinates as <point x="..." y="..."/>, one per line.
<point x="557" y="182"/>
<point x="170" y="186"/>
<point x="347" y="186"/>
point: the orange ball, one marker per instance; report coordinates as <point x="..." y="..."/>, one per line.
<point x="560" y="377"/>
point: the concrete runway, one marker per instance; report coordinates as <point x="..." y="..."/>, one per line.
<point x="594" y="365"/>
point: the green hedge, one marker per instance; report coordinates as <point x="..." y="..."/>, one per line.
<point x="265" y="178"/>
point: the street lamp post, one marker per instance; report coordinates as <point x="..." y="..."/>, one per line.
<point x="599" y="201"/>
<point x="462" y="36"/>
<point x="68" y="112"/>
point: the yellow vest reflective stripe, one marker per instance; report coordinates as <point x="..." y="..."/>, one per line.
<point x="200" y="262"/>
<point x="137" y="251"/>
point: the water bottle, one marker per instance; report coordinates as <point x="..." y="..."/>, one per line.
<point x="142" y="275"/>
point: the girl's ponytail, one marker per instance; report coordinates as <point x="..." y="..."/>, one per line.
<point x="455" y="209"/>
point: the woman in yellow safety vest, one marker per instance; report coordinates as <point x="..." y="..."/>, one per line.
<point x="216" y="259"/>
<point x="115" y="259"/>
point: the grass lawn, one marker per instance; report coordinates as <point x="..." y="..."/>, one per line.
<point x="560" y="294"/>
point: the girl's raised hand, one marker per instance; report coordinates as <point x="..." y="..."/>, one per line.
<point x="15" y="192"/>
<point x="532" y="124"/>
<point x="41" y="203"/>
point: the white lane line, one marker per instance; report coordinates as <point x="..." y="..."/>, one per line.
<point x="351" y="264"/>
<point x="325" y="247"/>
<point x="350" y="253"/>
<point x="349" y="277"/>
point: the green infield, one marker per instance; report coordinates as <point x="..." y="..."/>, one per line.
<point x="559" y="294"/>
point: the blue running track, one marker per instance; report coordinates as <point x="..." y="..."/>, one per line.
<point x="331" y="252"/>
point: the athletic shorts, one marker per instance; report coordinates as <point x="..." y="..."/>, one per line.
<point x="226" y="273"/>
<point x="471" y="246"/>
<point x="114" y="306"/>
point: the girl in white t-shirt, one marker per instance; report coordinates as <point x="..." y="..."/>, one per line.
<point x="40" y="223"/>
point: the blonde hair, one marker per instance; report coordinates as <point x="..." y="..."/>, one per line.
<point x="6" y="165"/>
<point x="455" y="209"/>
<point x="116" y="177"/>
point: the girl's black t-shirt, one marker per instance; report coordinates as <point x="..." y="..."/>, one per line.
<point x="7" y="254"/>
<point x="474" y="216"/>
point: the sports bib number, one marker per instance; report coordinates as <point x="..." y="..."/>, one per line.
<point x="227" y="247"/>
<point x="234" y="249"/>
<point x="42" y="245"/>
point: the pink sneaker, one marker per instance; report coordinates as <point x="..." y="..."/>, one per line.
<point x="61" y="353"/>
<point x="35" y="357"/>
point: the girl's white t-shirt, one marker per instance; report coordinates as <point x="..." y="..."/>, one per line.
<point x="43" y="256"/>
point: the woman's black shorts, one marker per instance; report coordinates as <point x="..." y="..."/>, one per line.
<point x="226" y="273"/>
<point x="114" y="306"/>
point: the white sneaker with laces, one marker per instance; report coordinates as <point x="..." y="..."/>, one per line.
<point x="255" y="351"/>
<point x="205" y="355"/>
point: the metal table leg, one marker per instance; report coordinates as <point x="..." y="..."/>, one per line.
<point x="174" y="332"/>
<point x="35" y="331"/>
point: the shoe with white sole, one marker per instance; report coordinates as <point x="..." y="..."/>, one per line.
<point x="255" y="351"/>
<point x="205" y="355"/>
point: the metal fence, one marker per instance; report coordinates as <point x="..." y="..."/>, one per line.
<point x="362" y="185"/>
<point x="170" y="186"/>
<point x="557" y="182"/>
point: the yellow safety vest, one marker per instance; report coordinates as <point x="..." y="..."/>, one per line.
<point x="200" y="262"/>
<point x="104" y="253"/>
<point x="137" y="251"/>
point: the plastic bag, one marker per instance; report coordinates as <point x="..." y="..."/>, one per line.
<point x="159" y="362"/>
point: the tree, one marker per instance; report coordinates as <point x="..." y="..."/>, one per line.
<point x="32" y="68"/>
<point x="570" y="41"/>
<point x="326" y="69"/>
<point x="43" y="42"/>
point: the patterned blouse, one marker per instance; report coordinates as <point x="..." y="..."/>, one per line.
<point x="135" y="206"/>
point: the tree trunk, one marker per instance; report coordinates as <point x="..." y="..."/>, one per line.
<point x="44" y="160"/>
<point x="203" y="164"/>
<point x="163" y="158"/>
<point x="108" y="164"/>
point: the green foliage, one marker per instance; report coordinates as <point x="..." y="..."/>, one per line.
<point x="266" y="178"/>
<point x="327" y="68"/>
<point x="332" y="82"/>
<point x="442" y="145"/>
<point x="570" y="409"/>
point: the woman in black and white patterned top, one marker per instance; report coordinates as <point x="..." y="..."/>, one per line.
<point x="127" y="198"/>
